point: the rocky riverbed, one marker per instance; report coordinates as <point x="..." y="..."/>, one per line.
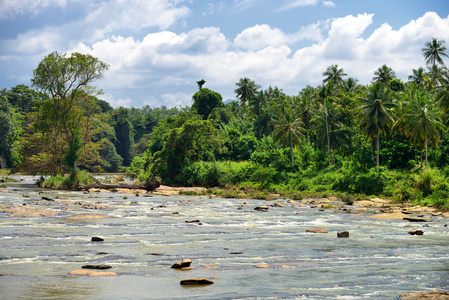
<point x="59" y="244"/>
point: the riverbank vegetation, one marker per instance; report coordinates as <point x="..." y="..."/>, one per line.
<point x="387" y="138"/>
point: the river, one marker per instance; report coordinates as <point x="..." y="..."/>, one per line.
<point x="248" y="254"/>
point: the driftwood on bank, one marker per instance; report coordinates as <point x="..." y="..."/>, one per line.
<point x="149" y="185"/>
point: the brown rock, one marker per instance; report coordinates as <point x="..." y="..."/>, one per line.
<point x="261" y="208"/>
<point x="92" y="273"/>
<point x="417" y="219"/>
<point x="279" y="204"/>
<point x="89" y="217"/>
<point x="343" y="234"/>
<point x="416" y="232"/>
<point x="317" y="230"/>
<point x="209" y="267"/>
<point x="193" y="221"/>
<point x="430" y="295"/>
<point x="196" y="281"/>
<point x="185" y="263"/>
<point x="288" y="267"/>
<point x="96" y="267"/>
<point x="261" y="266"/>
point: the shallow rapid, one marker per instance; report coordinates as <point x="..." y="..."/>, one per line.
<point x="248" y="254"/>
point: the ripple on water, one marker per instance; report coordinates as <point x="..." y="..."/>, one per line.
<point x="379" y="259"/>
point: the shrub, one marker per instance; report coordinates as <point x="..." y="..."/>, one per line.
<point x="369" y="184"/>
<point x="424" y="183"/>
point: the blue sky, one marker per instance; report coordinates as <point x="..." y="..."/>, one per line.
<point x="158" y="49"/>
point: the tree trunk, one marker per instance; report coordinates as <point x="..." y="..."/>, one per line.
<point x="377" y="146"/>
<point x="149" y="185"/>
<point x="327" y="134"/>
<point x="291" y="153"/>
<point x="425" y="137"/>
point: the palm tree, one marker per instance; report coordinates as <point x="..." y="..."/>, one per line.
<point x="350" y="85"/>
<point x="334" y="75"/>
<point x="304" y="104"/>
<point x="246" y="90"/>
<point x="376" y="112"/>
<point x="287" y="126"/>
<point x="434" y="77"/>
<point x="201" y="83"/>
<point x="384" y="74"/>
<point x="417" y="76"/>
<point x="327" y="126"/>
<point x="443" y="92"/>
<point x="434" y="51"/>
<point x="423" y="120"/>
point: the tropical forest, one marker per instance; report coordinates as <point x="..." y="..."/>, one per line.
<point x="387" y="138"/>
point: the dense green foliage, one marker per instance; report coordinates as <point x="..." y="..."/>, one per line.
<point x="385" y="138"/>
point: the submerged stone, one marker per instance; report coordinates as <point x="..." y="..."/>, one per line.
<point x="317" y="230"/>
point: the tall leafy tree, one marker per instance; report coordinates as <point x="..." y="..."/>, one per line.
<point x="376" y="112"/>
<point x="7" y="133"/>
<point x="246" y="90"/>
<point x="434" y="51"/>
<point x="205" y="100"/>
<point x="287" y="127"/>
<point x="69" y="110"/>
<point x="334" y="75"/>
<point x="423" y="120"/>
<point x="384" y="74"/>
<point x="417" y="76"/>
<point x="124" y="134"/>
<point x="434" y="77"/>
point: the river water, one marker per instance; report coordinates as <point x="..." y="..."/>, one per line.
<point x="379" y="260"/>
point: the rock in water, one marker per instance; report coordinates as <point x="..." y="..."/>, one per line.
<point x="193" y="221"/>
<point x="196" y="281"/>
<point x="317" y="230"/>
<point x="97" y="239"/>
<point x="417" y="219"/>
<point x="261" y="208"/>
<point x="433" y="294"/>
<point x="416" y="232"/>
<point x="92" y="273"/>
<point x="343" y="234"/>
<point x="185" y="263"/>
<point x="47" y="198"/>
<point x="97" y="267"/>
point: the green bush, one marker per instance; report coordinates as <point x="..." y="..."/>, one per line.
<point x="424" y="183"/>
<point x="369" y="184"/>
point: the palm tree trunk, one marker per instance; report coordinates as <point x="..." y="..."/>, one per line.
<point x="291" y="153"/>
<point x="425" y="137"/>
<point x="327" y="134"/>
<point x="377" y="146"/>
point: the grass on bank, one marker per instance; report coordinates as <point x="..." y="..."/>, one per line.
<point x="249" y="180"/>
